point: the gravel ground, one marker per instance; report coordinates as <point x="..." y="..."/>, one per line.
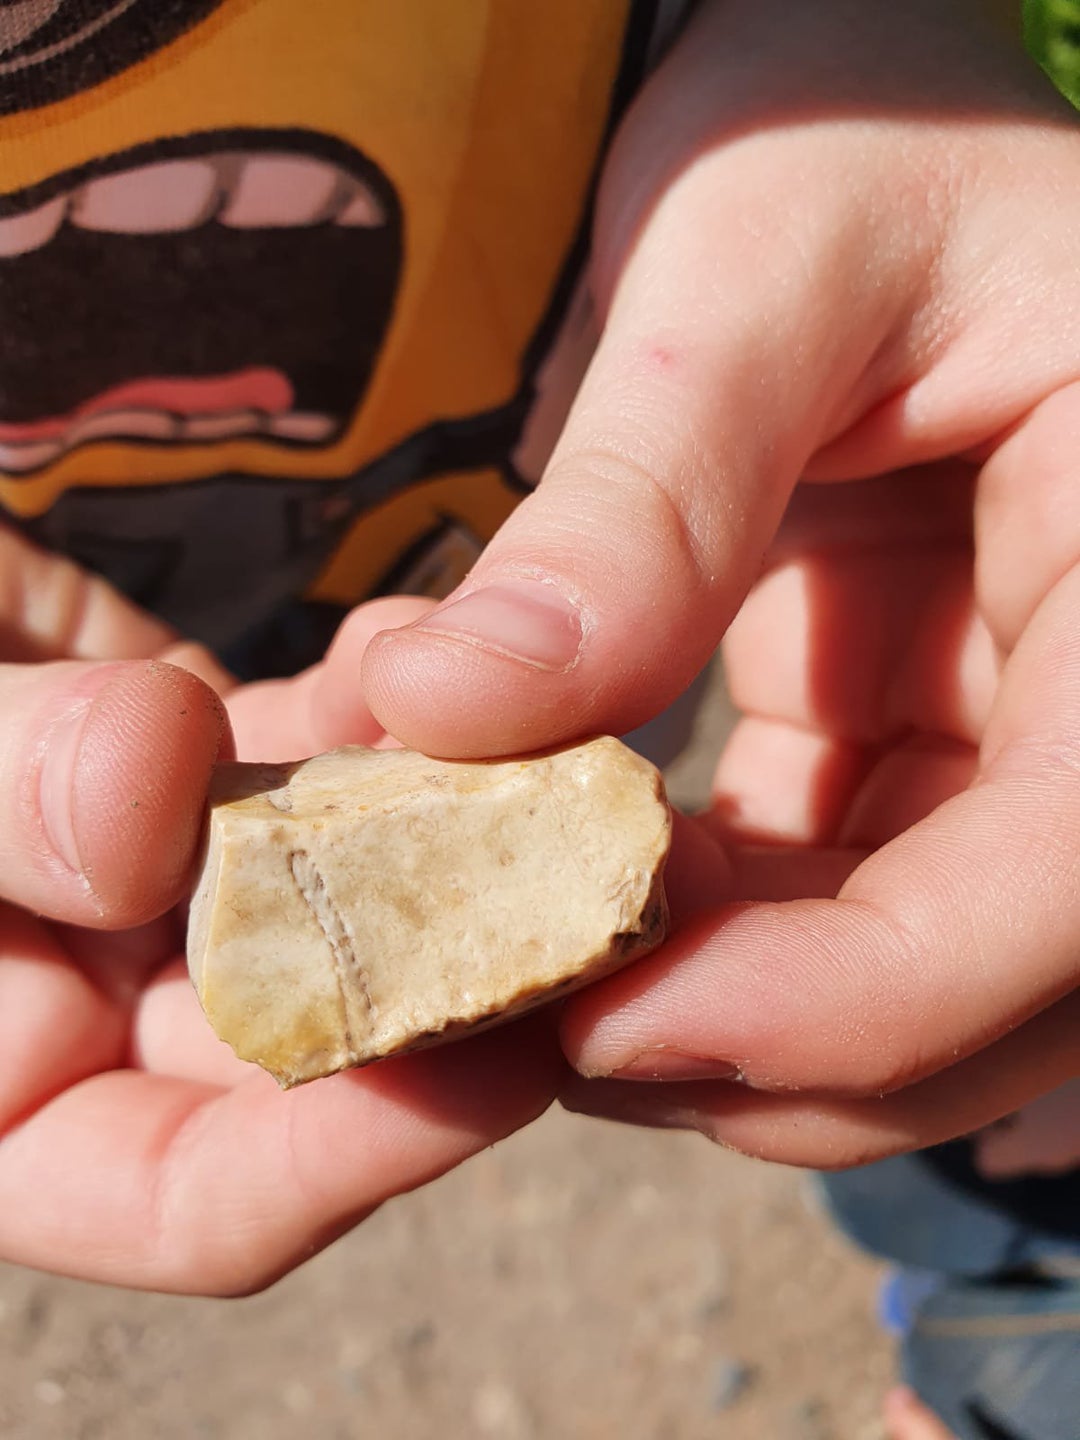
<point x="579" y="1282"/>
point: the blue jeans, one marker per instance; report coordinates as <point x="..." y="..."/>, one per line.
<point x="988" y="1291"/>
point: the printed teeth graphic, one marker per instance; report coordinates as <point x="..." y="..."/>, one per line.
<point x="135" y="424"/>
<point x="263" y="190"/>
<point x="22" y="457"/>
<point x="224" y="286"/>
<point x="31" y="230"/>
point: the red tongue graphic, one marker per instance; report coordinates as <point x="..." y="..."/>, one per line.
<point x="260" y="388"/>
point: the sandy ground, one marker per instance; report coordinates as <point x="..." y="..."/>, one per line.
<point x="579" y="1282"/>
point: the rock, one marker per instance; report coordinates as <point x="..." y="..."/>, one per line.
<point x="809" y="1421"/>
<point x="366" y="902"/>
<point x="49" y="1392"/>
<point x="731" y="1379"/>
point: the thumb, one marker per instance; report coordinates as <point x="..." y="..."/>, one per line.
<point x="104" y="771"/>
<point x="733" y="348"/>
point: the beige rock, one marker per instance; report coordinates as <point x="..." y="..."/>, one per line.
<point x="367" y="902"/>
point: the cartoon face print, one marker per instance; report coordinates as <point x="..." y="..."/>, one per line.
<point x="277" y="279"/>
<point x="50" y="49"/>
<point x="242" y="282"/>
<point x="281" y="240"/>
<point x="179" y="296"/>
<point x="203" y="253"/>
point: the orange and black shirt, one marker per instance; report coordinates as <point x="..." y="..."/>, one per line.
<point x="289" y="291"/>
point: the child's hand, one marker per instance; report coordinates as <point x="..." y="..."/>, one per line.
<point x="134" y="1147"/>
<point x="835" y="240"/>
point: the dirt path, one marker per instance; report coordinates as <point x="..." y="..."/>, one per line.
<point x="578" y="1283"/>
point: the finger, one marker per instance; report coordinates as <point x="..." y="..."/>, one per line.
<point x="782" y="872"/>
<point x="782" y="784"/>
<point x="170" y="1034"/>
<point x="956" y="930"/>
<point x="864" y="644"/>
<point x="75" y="1002"/>
<point x="120" y="963"/>
<point x="907" y="1418"/>
<point x="928" y="506"/>
<point x="941" y="941"/>
<point x="1041" y="1139"/>
<point x="719" y="372"/>
<point x="103" y="778"/>
<point x="157" y="1183"/>
<point x="698" y="873"/>
<point x="778" y="784"/>
<point x="1027" y="515"/>
<point x="826" y="1133"/>
<point x="198" y="661"/>
<point x="51" y="609"/>
<point x="907" y="784"/>
<point x="279" y="720"/>
<point x="56" y="1026"/>
<point x="704" y="870"/>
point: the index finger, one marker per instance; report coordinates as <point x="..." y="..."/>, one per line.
<point x="720" y="371"/>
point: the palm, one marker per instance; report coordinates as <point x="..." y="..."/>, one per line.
<point x="136" y="1148"/>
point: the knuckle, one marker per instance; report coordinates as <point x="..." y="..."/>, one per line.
<point x="629" y="481"/>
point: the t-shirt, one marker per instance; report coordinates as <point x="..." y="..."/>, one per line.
<point x="289" y="289"/>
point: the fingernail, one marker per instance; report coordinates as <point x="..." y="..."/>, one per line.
<point x="664" y="1063"/>
<point x="62" y="743"/>
<point x="527" y="621"/>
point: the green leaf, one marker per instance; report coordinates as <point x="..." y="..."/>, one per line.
<point x="1052" y="35"/>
